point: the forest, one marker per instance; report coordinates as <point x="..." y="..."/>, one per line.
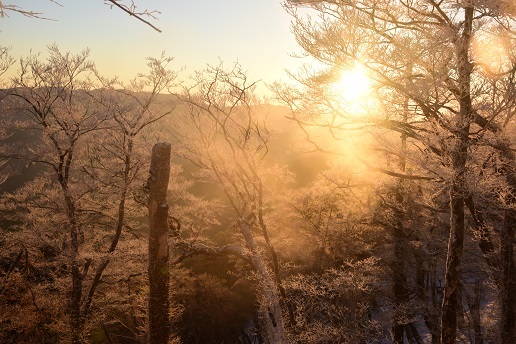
<point x="370" y="199"/>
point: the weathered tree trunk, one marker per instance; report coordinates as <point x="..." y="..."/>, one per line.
<point x="159" y="324"/>
<point x="274" y="256"/>
<point x="459" y="153"/>
<point x="270" y="306"/>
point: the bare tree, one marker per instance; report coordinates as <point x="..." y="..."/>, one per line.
<point x="58" y="105"/>
<point x="90" y="133"/>
<point x="221" y="133"/>
<point x="6" y="60"/>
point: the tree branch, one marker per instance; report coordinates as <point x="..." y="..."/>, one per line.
<point x="132" y="13"/>
<point x="393" y="174"/>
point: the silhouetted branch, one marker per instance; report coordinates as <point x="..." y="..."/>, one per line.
<point x="14" y="8"/>
<point x="131" y="11"/>
<point x="393" y="174"/>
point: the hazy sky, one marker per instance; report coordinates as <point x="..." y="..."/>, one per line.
<point x="195" y="32"/>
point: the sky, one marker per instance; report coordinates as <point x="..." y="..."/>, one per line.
<point x="195" y="32"/>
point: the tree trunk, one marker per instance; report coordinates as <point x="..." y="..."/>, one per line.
<point x="270" y="307"/>
<point x="474" y="310"/>
<point x="118" y="230"/>
<point x="159" y="325"/>
<point x="459" y="153"/>
<point x="274" y="256"/>
<point x="508" y="283"/>
<point x="455" y="246"/>
<point x="508" y="278"/>
<point x="400" y="287"/>
<point x="425" y="286"/>
<point x="76" y="320"/>
<point x="76" y="316"/>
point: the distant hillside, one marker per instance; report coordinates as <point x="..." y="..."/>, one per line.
<point x="283" y="147"/>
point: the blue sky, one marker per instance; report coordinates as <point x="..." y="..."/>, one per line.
<point x="195" y="32"/>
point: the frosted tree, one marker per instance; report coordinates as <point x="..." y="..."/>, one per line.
<point x="221" y="131"/>
<point x="55" y="101"/>
<point x="89" y="136"/>
<point x="421" y="59"/>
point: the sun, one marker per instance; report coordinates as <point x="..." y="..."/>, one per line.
<point x="355" y="83"/>
<point x="353" y="88"/>
<point x="490" y="51"/>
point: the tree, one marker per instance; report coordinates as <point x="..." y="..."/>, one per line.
<point x="337" y="248"/>
<point x="419" y="53"/>
<point x="6" y="60"/>
<point x="118" y="161"/>
<point x="59" y="106"/>
<point x="133" y="109"/>
<point x="89" y="134"/>
<point x="221" y="133"/>
<point x="334" y="307"/>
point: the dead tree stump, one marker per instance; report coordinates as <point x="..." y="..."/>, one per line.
<point x="159" y="324"/>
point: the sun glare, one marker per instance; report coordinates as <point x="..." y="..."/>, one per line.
<point x="490" y="52"/>
<point x="354" y="84"/>
<point x="353" y="89"/>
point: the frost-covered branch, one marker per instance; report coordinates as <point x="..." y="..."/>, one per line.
<point x="131" y="9"/>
